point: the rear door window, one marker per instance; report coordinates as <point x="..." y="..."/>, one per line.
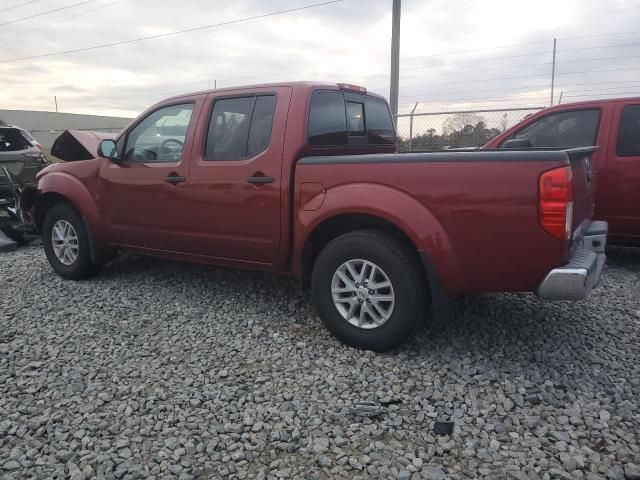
<point x="629" y="133"/>
<point x="337" y="118"/>
<point x="380" y="128"/>
<point x="576" y="128"/>
<point x="240" y="127"/>
<point x="327" y="119"/>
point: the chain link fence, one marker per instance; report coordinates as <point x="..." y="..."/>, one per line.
<point x="455" y="129"/>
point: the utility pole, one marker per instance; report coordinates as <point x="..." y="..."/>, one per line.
<point x="560" y="101"/>
<point x="553" y="70"/>
<point x="55" y="99"/>
<point x="395" y="59"/>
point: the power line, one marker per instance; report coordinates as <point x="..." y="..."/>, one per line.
<point x="177" y="32"/>
<point x="19" y="5"/>
<point x="530" y="76"/>
<point x="545" y="52"/>
<point x="420" y="97"/>
<point x="45" y="13"/>
<point x="503" y="89"/>
<point x="623" y="87"/>
<point x="603" y="70"/>
<point x="597" y="83"/>
<point x="59" y="21"/>
<point x="504" y="97"/>
<point x="633" y="93"/>
<point x="384" y="73"/>
<point x="562" y="50"/>
<point x="599" y="35"/>
<point x="510" y="89"/>
<point x="517" y="66"/>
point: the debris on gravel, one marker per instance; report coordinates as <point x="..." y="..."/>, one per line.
<point x="156" y="369"/>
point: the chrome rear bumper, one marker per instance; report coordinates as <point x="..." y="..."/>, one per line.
<point x="577" y="278"/>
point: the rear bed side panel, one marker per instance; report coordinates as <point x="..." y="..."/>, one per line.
<point x="484" y="212"/>
<point x="388" y="203"/>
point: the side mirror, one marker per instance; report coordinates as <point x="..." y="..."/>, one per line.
<point x="108" y="149"/>
<point x="517" y="143"/>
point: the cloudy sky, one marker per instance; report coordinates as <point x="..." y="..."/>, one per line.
<point x="455" y="54"/>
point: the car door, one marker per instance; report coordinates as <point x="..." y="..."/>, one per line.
<point x="234" y="185"/>
<point x="142" y="194"/>
<point x="621" y="194"/>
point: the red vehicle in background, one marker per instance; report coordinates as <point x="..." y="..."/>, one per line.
<point x="614" y="126"/>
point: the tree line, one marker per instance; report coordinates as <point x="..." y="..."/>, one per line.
<point x="462" y="130"/>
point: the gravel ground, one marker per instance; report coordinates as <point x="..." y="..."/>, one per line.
<point x="158" y="369"/>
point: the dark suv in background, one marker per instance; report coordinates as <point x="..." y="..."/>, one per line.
<point x="20" y="159"/>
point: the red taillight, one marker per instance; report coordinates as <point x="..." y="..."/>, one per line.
<point x="556" y="202"/>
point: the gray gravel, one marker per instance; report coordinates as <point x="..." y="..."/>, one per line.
<point x="157" y="369"/>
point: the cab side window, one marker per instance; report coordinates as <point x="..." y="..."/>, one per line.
<point x="160" y="136"/>
<point x="629" y="133"/>
<point x="577" y="128"/>
<point x="240" y="127"/>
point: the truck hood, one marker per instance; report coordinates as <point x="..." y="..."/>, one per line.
<point x="74" y="145"/>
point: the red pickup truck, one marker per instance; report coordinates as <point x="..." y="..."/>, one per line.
<point x="613" y="125"/>
<point x="303" y="179"/>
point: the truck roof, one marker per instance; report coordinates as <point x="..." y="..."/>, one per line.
<point x="295" y="85"/>
<point x="592" y="103"/>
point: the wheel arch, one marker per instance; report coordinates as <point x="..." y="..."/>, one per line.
<point x="45" y="202"/>
<point x="333" y="227"/>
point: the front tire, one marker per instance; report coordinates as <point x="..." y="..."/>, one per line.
<point x="66" y="243"/>
<point x="369" y="290"/>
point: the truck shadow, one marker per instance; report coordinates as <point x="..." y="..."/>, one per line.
<point x="626" y="257"/>
<point x="519" y="326"/>
<point x="494" y="338"/>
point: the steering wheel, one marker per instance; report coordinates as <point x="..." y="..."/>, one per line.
<point x="175" y="153"/>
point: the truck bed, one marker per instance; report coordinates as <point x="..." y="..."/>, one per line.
<point x="476" y="211"/>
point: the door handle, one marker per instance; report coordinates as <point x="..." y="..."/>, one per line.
<point x="174" y="178"/>
<point x="260" y="179"/>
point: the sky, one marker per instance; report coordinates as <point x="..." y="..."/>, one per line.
<point x="455" y="54"/>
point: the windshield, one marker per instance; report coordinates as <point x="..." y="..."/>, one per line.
<point x="11" y="140"/>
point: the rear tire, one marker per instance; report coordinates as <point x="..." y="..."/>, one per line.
<point x="66" y="243"/>
<point x="374" y="271"/>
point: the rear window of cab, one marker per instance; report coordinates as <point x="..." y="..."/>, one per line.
<point x="342" y="118"/>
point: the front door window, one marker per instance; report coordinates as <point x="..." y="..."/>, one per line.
<point x="160" y="136"/>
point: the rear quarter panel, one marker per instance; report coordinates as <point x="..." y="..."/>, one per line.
<point x="477" y="220"/>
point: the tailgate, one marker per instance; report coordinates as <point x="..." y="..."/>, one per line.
<point x="583" y="172"/>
